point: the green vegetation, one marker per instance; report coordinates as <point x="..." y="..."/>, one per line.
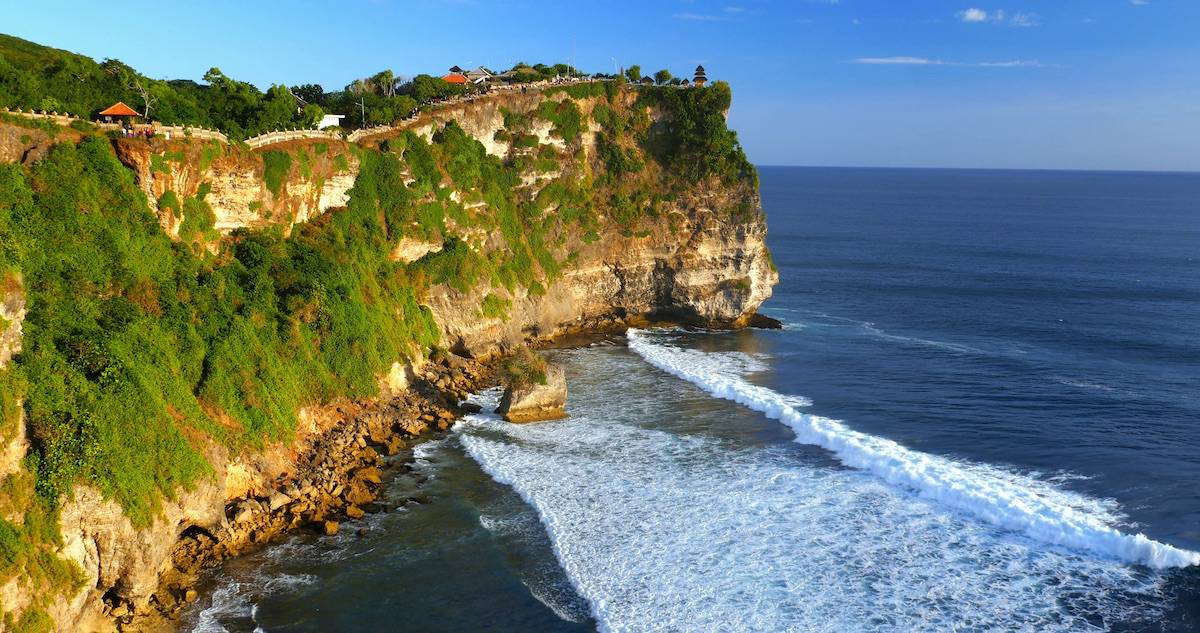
<point x="42" y="78"/>
<point x="275" y="169"/>
<point x="158" y="165"/>
<point x="696" y="143"/>
<point x="523" y="368"/>
<point x="494" y="307"/>
<point x="565" y="115"/>
<point x="135" y="346"/>
<point x="212" y="151"/>
<point x="582" y="91"/>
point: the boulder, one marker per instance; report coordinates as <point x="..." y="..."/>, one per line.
<point x="536" y="402"/>
<point x="763" y="322"/>
<point x="278" y="500"/>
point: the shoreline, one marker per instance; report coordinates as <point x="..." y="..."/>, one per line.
<point x="339" y="473"/>
<point x="338" y="477"/>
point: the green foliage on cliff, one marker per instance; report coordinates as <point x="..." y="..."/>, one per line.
<point x="582" y="91"/>
<point x="136" y="346"/>
<point x="696" y="143"/>
<point x="275" y="169"/>
<point x="32" y="620"/>
<point x="42" y="78"/>
<point x="495" y="307"/>
<point x="565" y="115"/>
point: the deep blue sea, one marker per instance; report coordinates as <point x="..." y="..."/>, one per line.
<point x="982" y="414"/>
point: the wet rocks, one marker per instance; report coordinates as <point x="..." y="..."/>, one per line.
<point x="763" y="322"/>
<point x="337" y="477"/>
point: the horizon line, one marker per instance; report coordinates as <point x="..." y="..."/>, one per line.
<point x="944" y="168"/>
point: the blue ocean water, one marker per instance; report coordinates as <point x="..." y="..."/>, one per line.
<point x="1045" y="320"/>
<point x="982" y="415"/>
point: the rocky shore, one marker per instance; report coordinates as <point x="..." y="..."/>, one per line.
<point x="336" y="480"/>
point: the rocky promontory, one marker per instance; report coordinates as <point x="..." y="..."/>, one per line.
<point x="280" y="324"/>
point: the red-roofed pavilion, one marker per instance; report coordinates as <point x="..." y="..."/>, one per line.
<point x="118" y="109"/>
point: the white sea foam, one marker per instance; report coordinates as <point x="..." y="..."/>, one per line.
<point x="228" y="601"/>
<point x="1004" y="499"/>
<point x="667" y="531"/>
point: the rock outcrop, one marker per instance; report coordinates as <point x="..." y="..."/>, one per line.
<point x="233" y="181"/>
<point x="536" y="402"/>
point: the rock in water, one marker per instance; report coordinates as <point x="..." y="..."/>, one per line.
<point x="763" y="322"/>
<point x="536" y="402"/>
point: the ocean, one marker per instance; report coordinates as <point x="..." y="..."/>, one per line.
<point x="982" y="414"/>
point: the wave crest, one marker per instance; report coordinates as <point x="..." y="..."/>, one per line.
<point x="1009" y="501"/>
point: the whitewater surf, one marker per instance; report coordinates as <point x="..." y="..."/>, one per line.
<point x="1005" y="499"/>
<point x="669" y="509"/>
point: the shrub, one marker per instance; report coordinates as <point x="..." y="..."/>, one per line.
<point x="494" y="307"/>
<point x="696" y="142"/>
<point x="523" y="368"/>
<point x="276" y="165"/>
<point x="565" y="115"/>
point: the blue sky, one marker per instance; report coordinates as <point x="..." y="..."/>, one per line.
<point x="1083" y="84"/>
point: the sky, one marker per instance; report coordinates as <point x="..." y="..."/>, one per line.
<point x="1044" y="84"/>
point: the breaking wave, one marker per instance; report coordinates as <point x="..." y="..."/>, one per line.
<point x="668" y="515"/>
<point x="1007" y="500"/>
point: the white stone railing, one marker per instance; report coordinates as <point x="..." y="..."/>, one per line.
<point x="281" y="136"/>
<point x="170" y="131"/>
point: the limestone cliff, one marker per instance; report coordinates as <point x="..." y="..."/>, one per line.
<point x="621" y="235"/>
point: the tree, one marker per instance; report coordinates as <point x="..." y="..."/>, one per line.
<point x="634" y="73"/>
<point x="310" y="93"/>
<point x="384" y="83"/>
<point x="425" y="88"/>
<point x="662" y="77"/>
<point x="129" y="78"/>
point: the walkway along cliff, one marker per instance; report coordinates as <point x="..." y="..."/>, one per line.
<point x="205" y="343"/>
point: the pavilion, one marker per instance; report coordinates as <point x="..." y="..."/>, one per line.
<point x="119" y="111"/>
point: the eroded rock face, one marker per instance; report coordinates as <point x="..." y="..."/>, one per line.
<point x="12" y="318"/>
<point x="113" y="554"/>
<point x="709" y="269"/>
<point x="237" y="189"/>
<point x="535" y="403"/>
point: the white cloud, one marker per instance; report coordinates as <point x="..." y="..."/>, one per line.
<point x="1139" y="3"/>
<point x="906" y="60"/>
<point x="1000" y="16"/>
<point x="701" y="17"/>
<point x="973" y="15"/>
<point x="901" y="60"/>
<point x="732" y="9"/>
<point x="1025" y="20"/>
<point x="1016" y="63"/>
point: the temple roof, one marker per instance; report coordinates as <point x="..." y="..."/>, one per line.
<point x="119" y="109"/>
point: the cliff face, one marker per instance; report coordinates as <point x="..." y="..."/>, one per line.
<point x="612" y="233"/>
<point x="695" y="263"/>
<point x="704" y="269"/>
<point x="236" y="180"/>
